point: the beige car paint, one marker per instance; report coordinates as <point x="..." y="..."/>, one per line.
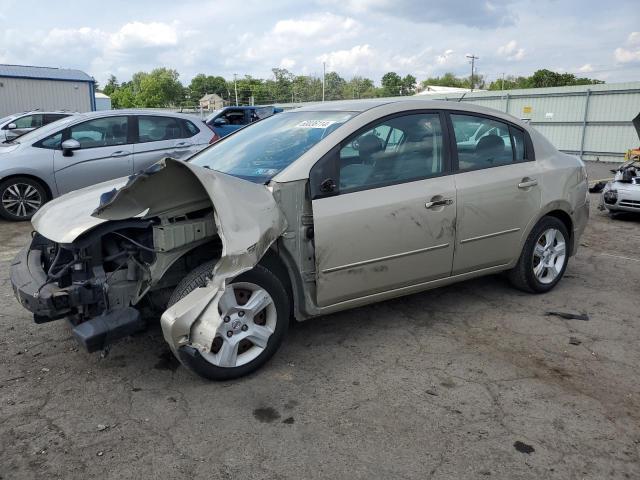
<point x="355" y="255"/>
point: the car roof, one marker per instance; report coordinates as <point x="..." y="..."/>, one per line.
<point x="135" y="111"/>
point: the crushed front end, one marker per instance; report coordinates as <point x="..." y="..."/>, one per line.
<point x="108" y="281"/>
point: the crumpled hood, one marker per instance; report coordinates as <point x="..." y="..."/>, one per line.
<point x="247" y="217"/>
<point x="65" y="218"/>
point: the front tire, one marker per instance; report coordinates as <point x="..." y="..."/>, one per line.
<point x="544" y="257"/>
<point x="20" y="198"/>
<point x="255" y="313"/>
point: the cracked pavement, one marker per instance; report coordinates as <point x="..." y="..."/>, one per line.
<point x="467" y="381"/>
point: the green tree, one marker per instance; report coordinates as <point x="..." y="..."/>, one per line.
<point x="333" y="86"/>
<point x="391" y="84"/>
<point x="160" y="88"/>
<point x="202" y="85"/>
<point x="409" y="85"/>
<point x="111" y="86"/>
<point x="123" y="97"/>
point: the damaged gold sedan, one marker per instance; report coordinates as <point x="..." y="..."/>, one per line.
<point x="308" y="212"/>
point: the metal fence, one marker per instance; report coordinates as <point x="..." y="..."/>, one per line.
<point x="591" y="121"/>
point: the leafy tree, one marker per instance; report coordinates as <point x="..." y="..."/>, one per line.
<point x="391" y="84"/>
<point x="542" y="78"/>
<point x="408" y="85"/>
<point x="333" y="86"/>
<point x="202" y="85"/>
<point x="111" y="86"/>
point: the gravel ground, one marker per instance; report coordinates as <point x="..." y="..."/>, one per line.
<point x="468" y="381"/>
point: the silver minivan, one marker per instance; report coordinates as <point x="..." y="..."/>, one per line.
<point x="90" y="148"/>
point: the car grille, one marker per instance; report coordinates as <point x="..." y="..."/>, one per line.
<point x="629" y="203"/>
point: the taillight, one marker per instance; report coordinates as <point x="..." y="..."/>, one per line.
<point x="215" y="138"/>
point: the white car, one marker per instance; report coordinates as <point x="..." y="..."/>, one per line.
<point x="90" y="148"/>
<point x="12" y="126"/>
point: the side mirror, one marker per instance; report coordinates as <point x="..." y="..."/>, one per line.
<point x="218" y="122"/>
<point x="12" y="126"/>
<point x="68" y="146"/>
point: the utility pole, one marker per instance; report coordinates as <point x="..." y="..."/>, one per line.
<point x="235" y="87"/>
<point x="324" y="74"/>
<point x="502" y="86"/>
<point x="473" y="63"/>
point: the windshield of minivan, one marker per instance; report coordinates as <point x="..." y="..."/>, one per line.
<point x="46" y="130"/>
<point x="258" y="152"/>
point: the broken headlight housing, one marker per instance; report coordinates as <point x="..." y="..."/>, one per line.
<point x="610" y="197"/>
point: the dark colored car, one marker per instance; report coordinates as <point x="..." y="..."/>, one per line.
<point x="229" y="119"/>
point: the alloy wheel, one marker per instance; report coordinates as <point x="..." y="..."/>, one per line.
<point x="549" y="255"/>
<point x="249" y="318"/>
<point x="21" y="200"/>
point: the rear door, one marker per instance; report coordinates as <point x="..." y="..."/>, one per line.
<point x="160" y="137"/>
<point x="106" y="152"/>
<point x="498" y="192"/>
<point x="384" y="209"/>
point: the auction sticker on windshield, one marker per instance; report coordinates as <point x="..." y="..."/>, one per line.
<point x="315" y="124"/>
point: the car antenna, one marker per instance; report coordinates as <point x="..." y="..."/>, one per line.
<point x="460" y="99"/>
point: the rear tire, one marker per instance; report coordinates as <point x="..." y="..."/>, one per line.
<point x="20" y="198"/>
<point x="267" y="324"/>
<point x="544" y="257"/>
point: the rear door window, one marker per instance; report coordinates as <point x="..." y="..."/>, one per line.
<point x="158" y="129"/>
<point x="481" y="142"/>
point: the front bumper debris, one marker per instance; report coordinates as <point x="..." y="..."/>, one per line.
<point x="45" y="300"/>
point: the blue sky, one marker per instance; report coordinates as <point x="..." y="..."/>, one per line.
<point x="354" y="37"/>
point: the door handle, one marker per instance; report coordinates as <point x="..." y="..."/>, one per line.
<point x="182" y="144"/>
<point x="439" y="203"/>
<point x="120" y="153"/>
<point x="528" y="182"/>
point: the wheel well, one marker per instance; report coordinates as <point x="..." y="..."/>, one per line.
<point x="564" y="218"/>
<point x="35" y="179"/>
<point x="272" y="262"/>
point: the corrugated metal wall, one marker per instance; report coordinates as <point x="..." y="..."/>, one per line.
<point x="605" y="133"/>
<point x="22" y="94"/>
<point x="593" y="121"/>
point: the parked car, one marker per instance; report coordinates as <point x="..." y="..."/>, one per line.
<point x="622" y="194"/>
<point x="89" y="148"/>
<point x="13" y="126"/>
<point x="229" y="119"/>
<point x="305" y="213"/>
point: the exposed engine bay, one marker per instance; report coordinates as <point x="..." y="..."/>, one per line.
<point x="119" y="265"/>
<point x="106" y="270"/>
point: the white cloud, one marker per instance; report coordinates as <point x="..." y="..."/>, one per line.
<point x="444" y="57"/>
<point x="511" y="51"/>
<point x="141" y="35"/>
<point x="631" y="54"/>
<point x="353" y="60"/>
<point x="287" y="63"/>
<point x="323" y="26"/>
<point x="586" y="68"/>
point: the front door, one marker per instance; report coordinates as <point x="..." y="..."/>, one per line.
<point x="388" y="220"/>
<point x="105" y="153"/>
<point x="498" y="192"/>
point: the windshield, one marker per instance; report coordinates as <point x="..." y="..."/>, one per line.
<point x="258" y="152"/>
<point x="212" y="115"/>
<point x="6" y="119"/>
<point x="46" y="130"/>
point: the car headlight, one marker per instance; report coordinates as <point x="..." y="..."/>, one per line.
<point x="611" y="196"/>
